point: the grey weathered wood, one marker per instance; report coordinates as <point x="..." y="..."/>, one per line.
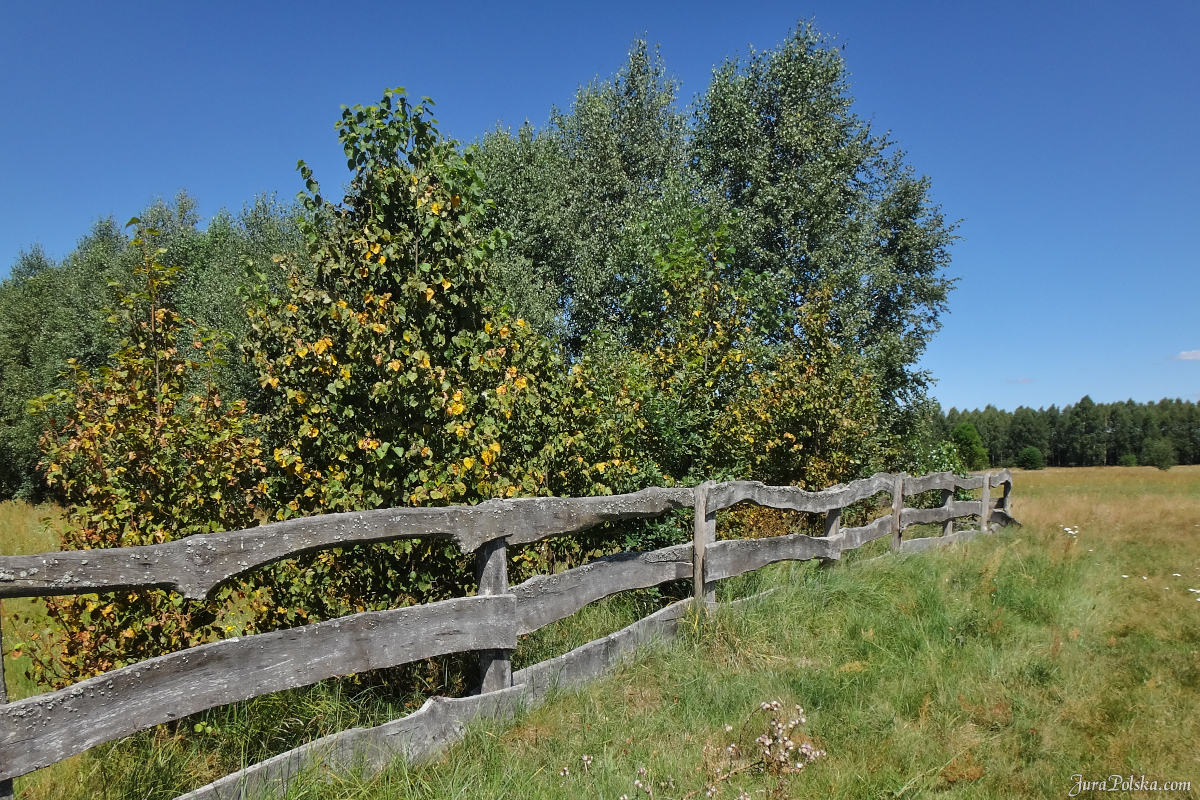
<point x="46" y="728"/>
<point x="1002" y="518"/>
<point x="926" y="483"/>
<point x="790" y="498"/>
<point x="897" y="507"/>
<point x="598" y="656"/>
<point x="6" y="785"/>
<point x="546" y="598"/>
<point x="934" y="542"/>
<point x="985" y="502"/>
<point x="948" y="525"/>
<point x="833" y="521"/>
<point x="953" y="509"/>
<point x="710" y="536"/>
<point x="1006" y="500"/>
<point x="969" y="483"/>
<point x="854" y="538"/>
<point x="440" y="722"/>
<point x="491" y="571"/>
<point x="1002" y="477"/>
<point x="42" y="725"/>
<point x="948" y="480"/>
<point x="194" y="566"/>
<point x="700" y="541"/>
<point x="734" y="557"/>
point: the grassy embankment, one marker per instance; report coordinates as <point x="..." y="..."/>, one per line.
<point x="996" y="669"/>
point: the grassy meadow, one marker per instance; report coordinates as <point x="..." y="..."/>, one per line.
<point x="1000" y="668"/>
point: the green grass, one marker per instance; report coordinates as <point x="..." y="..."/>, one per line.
<point x="24" y="529"/>
<point x="996" y="669"/>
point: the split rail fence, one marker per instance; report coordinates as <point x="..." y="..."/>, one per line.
<point x="46" y="728"/>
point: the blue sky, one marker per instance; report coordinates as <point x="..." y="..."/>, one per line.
<point x="1063" y="135"/>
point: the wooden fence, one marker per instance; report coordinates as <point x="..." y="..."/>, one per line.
<point x="41" y="730"/>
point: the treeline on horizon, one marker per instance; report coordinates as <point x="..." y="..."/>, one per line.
<point x="1085" y="434"/>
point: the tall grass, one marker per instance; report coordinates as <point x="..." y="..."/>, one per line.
<point x="996" y="669"/>
<point x="24" y="529"/>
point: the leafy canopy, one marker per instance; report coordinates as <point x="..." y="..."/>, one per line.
<point x="139" y="458"/>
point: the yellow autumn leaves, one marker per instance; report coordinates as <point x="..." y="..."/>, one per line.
<point x="488" y="456"/>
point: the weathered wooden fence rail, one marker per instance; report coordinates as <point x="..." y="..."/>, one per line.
<point x="41" y="730"/>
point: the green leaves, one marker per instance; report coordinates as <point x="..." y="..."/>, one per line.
<point x="392" y="376"/>
<point x="138" y="458"/>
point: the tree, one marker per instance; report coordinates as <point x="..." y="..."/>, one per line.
<point x="1086" y="434"/>
<point x="137" y="458"/>
<point x="970" y="447"/>
<point x="393" y="375"/>
<point x="813" y="201"/>
<point x="52" y="311"/>
<point x="1031" y="458"/>
<point x="823" y="201"/>
<point x="589" y="200"/>
<point x="1029" y="429"/>
<point x="1158" y="452"/>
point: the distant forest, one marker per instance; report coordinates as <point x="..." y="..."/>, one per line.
<point x="1087" y="433"/>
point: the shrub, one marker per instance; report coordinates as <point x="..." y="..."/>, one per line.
<point x="1159" y="453"/>
<point x="138" y="457"/>
<point x="970" y="446"/>
<point x="393" y="376"/>
<point x="1031" y="458"/>
<point x="1128" y="460"/>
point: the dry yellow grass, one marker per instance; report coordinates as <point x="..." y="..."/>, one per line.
<point x="1142" y="503"/>
<point x="23" y="528"/>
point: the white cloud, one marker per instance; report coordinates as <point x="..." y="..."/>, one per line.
<point x="1019" y="380"/>
<point x="1188" y="355"/>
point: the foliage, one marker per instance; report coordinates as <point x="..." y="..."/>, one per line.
<point x="49" y="313"/>
<point x="810" y="416"/>
<point x="393" y="376"/>
<point x="1031" y="458"/>
<point x="709" y="400"/>
<point x="1083" y="434"/>
<point x="1158" y="452"/>
<point x="970" y="446"/>
<point x="824" y="203"/>
<point x="812" y="198"/>
<point x="1128" y="460"/>
<point x="928" y="457"/>
<point x="54" y="310"/>
<point x="138" y="460"/>
<point x="588" y="201"/>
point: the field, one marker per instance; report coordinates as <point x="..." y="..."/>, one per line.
<point x="1001" y="668"/>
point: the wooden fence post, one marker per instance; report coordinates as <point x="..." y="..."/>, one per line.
<point x="1006" y="500"/>
<point x="833" y="524"/>
<point x="833" y="521"/>
<point x="6" y="785"/>
<point x="947" y="499"/>
<point x="987" y="502"/>
<point x="491" y="567"/>
<point x="704" y="532"/>
<point x="897" y="507"/>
